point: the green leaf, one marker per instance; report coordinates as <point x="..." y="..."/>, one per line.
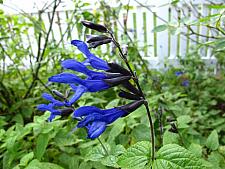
<point x="141" y="133"/>
<point x="35" y="164"/>
<point x="25" y="159"/>
<point x="173" y="156"/>
<point x="196" y="149"/>
<point x="97" y="153"/>
<point x="160" y="28"/>
<point x="137" y="156"/>
<point x="117" y="128"/>
<point x="212" y="141"/>
<point x="41" y="145"/>
<point x="182" y="121"/>
<point x="112" y="104"/>
<point x="170" y="138"/>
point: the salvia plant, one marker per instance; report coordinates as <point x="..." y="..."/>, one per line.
<point x="100" y="75"/>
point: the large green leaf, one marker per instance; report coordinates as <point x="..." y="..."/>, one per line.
<point x="42" y="142"/>
<point x="173" y="156"/>
<point x="212" y="141"/>
<point x="137" y="156"/>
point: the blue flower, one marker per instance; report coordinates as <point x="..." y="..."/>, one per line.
<point x="91" y="85"/>
<point x="179" y="73"/>
<point x="49" y="107"/>
<point x="185" y="83"/>
<point x="74" y="65"/>
<point x="53" y="106"/>
<point x="96" y="120"/>
<point x="94" y="61"/>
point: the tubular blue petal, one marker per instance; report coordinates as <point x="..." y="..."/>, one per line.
<point x="96" y="129"/>
<point x="65" y="78"/>
<point x="78" y="93"/>
<point x="86" y="110"/>
<point x="79" y="67"/>
<point x="95" y="85"/>
<point x="88" y="119"/>
<point x="95" y="62"/>
<point x="49" y="107"/>
<point x="110" y="115"/>
<point x="45" y="107"/>
<point x="50" y="98"/>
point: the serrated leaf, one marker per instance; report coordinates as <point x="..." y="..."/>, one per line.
<point x="137" y="156"/>
<point x="212" y="141"/>
<point x="173" y="156"/>
<point x="41" y="145"/>
<point x="196" y="149"/>
<point x="160" y="28"/>
<point x="97" y="153"/>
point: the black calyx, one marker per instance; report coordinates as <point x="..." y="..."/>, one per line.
<point x="129" y="96"/>
<point x="94" y="26"/>
<point x="97" y="40"/>
<point x="66" y="111"/>
<point x="117" y="80"/>
<point x="112" y="75"/>
<point x="132" y="106"/>
<point x="131" y="88"/>
<point x="115" y="68"/>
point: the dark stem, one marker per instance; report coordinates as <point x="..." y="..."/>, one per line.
<point x="141" y="92"/>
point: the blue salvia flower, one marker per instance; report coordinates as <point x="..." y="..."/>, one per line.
<point x="53" y="106"/>
<point x="94" y="61"/>
<point x="185" y="83"/>
<point x="179" y="73"/>
<point x="95" y="81"/>
<point x="96" y="120"/>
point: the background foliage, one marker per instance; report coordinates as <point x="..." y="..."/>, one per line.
<point x="188" y="120"/>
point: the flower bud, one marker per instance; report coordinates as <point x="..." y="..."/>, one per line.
<point x="117" y="80"/>
<point x="131" y="88"/>
<point x="116" y="68"/>
<point x="132" y="106"/>
<point x="97" y="27"/>
<point x="99" y="43"/>
<point x="95" y="38"/>
<point x="128" y="95"/>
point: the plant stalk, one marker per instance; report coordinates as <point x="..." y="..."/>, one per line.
<point x="152" y="133"/>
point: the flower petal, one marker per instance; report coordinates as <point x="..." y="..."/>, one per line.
<point x="95" y="85"/>
<point x="95" y="62"/>
<point x="111" y="115"/>
<point x="65" y="78"/>
<point x="96" y="129"/>
<point x="78" y="93"/>
<point x="80" y="67"/>
<point x="50" y="98"/>
<point x="89" y="119"/>
<point x="86" y="110"/>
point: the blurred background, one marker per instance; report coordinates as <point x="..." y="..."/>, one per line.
<point x="164" y="37"/>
